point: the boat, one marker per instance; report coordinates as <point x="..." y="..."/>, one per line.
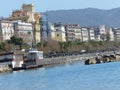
<point x="34" y="58"/>
<point x="27" y="60"/>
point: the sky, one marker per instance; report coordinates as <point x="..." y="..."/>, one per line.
<point x="7" y="6"/>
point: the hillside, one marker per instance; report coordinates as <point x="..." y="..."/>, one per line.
<point x="86" y="17"/>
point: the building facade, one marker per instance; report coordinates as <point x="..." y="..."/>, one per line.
<point x="58" y="33"/>
<point x="52" y="32"/>
<point x="28" y="15"/>
<point x="37" y="26"/>
<point x="25" y="31"/>
<point x="6" y="30"/>
<point x="117" y="34"/>
<point x="85" y="34"/>
<point x="110" y="35"/>
<point x="91" y="34"/>
<point x="73" y="32"/>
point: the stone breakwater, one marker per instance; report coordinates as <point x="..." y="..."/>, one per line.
<point x="103" y="59"/>
<point x="5" y="68"/>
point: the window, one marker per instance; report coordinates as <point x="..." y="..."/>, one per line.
<point x="57" y="35"/>
<point x="28" y="32"/>
<point x="57" y="29"/>
<point x="21" y="33"/>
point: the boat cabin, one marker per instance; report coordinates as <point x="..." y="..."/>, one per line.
<point x="34" y="58"/>
<point x="13" y="59"/>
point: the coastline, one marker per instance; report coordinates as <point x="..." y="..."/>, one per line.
<point x="55" y="61"/>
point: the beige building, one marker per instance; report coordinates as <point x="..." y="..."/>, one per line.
<point x="28" y="15"/>
<point x="28" y="7"/>
<point x="37" y="28"/>
<point x="57" y="33"/>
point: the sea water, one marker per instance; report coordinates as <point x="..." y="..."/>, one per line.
<point x="72" y="76"/>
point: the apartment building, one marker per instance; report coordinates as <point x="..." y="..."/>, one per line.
<point x="110" y="34"/>
<point x="25" y="31"/>
<point x="6" y="30"/>
<point x="97" y="34"/>
<point x="73" y="32"/>
<point x="91" y="34"/>
<point x="102" y="33"/>
<point x="57" y="32"/>
<point x="117" y="34"/>
<point x="85" y="34"/>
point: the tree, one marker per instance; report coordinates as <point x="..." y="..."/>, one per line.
<point x="2" y="46"/>
<point x="107" y="37"/>
<point x="103" y="37"/>
<point x="17" y="41"/>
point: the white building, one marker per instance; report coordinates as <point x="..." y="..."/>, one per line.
<point x="102" y="29"/>
<point x="6" y="30"/>
<point x="25" y="31"/>
<point x="91" y="34"/>
<point x="117" y="34"/>
<point x="52" y="31"/>
<point x="85" y="34"/>
<point x="110" y="34"/>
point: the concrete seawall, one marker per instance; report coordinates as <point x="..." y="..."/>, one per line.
<point x="72" y="58"/>
<point x="67" y="59"/>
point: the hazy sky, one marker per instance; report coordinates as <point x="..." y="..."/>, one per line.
<point x="7" y="6"/>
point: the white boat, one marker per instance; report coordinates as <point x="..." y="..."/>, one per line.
<point x="34" y="59"/>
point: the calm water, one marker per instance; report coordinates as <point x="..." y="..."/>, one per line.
<point x="74" y="76"/>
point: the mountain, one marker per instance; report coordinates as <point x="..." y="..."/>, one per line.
<point x="86" y="17"/>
